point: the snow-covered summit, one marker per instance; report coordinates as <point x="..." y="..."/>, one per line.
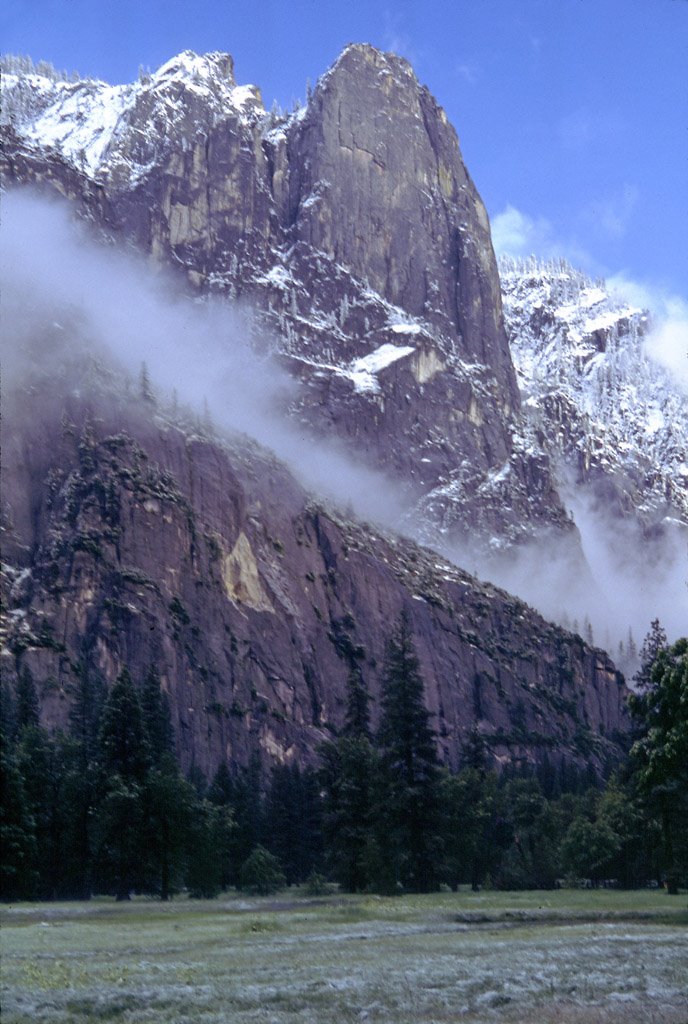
<point x="591" y="389"/>
<point x="96" y="127"/>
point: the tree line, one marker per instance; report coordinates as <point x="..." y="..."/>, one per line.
<point x="102" y="806"/>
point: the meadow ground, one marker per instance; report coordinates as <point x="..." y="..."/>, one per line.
<point x="565" y="957"/>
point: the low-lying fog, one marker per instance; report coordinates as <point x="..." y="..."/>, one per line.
<point x="200" y="349"/>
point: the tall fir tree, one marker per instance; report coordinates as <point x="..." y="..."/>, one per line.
<point x="357" y="718"/>
<point x="221" y="789"/>
<point x="654" y="642"/>
<point x="123" y="742"/>
<point x="123" y="767"/>
<point x="210" y="838"/>
<point x="18" y="876"/>
<point x="156" y="717"/>
<point x="409" y="834"/>
<point x="169" y="803"/>
<point x="468" y="801"/>
<point x="145" y="386"/>
<point x="348" y="767"/>
<point x="222" y="795"/>
<point x="660" y="755"/>
<point x="79" y="752"/>
<point x="8" y="714"/>
<point x="292" y="824"/>
<point x="41" y="768"/>
<point x="247" y="809"/>
<point x="27" y="708"/>
<point x="169" y="800"/>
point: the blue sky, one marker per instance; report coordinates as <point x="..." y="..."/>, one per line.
<point x="572" y="114"/>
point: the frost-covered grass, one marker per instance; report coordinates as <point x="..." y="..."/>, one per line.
<point x="567" y="956"/>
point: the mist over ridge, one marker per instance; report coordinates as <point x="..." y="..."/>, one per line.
<point x="322" y="283"/>
<point x="206" y="351"/>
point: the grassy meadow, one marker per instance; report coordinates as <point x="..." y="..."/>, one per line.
<point x="564" y="957"/>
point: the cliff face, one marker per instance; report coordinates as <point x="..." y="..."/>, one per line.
<point x="591" y="386"/>
<point x="131" y="541"/>
<point x="378" y="184"/>
<point x="357" y="235"/>
<point x="134" y="538"/>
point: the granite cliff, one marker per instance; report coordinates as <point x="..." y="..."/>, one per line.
<point x="131" y="540"/>
<point x="133" y="536"/>
<point x="355" y="232"/>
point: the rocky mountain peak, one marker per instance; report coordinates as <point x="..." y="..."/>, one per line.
<point x="595" y="394"/>
<point x="204" y="80"/>
<point x="380" y="186"/>
<point x="353" y="230"/>
<point x="119" y="133"/>
<point x="207" y="66"/>
<point x="365" y="59"/>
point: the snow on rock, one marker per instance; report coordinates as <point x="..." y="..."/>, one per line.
<point x="591" y="390"/>
<point x="400" y="323"/>
<point x="89" y="122"/>
<point x="80" y="122"/>
<point x="278" y="276"/>
<point x="610" y="319"/>
<point x="363" y="371"/>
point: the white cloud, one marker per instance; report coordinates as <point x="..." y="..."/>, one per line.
<point x="515" y="233"/>
<point x="667" y="343"/>
<point x="397" y="40"/>
<point x="53" y="271"/>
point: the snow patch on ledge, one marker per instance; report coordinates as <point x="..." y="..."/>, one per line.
<point x="89" y="122"/>
<point x="406" y="328"/>
<point x="608" y="319"/>
<point x="363" y="371"/>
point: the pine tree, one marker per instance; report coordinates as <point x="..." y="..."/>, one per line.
<point x="88" y="698"/>
<point x="122" y="742"/>
<point x="156" y="718"/>
<point x="247" y="808"/>
<point x="529" y="860"/>
<point x="589" y="635"/>
<point x="145" y="386"/>
<point x="408" y="803"/>
<point x="18" y="877"/>
<point x="631" y="646"/>
<point x="221" y="790"/>
<point x="654" y="642"/>
<point x="123" y="763"/>
<point x="42" y="776"/>
<point x="222" y="795"/>
<point x="168" y="808"/>
<point x="468" y="809"/>
<point x="292" y="824"/>
<point x="348" y="767"/>
<point x="620" y="808"/>
<point x="210" y="838"/>
<point x="27" y="710"/>
<point x="660" y="754"/>
<point x="357" y="717"/>
<point x="207" y="421"/>
<point x="79" y="753"/>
